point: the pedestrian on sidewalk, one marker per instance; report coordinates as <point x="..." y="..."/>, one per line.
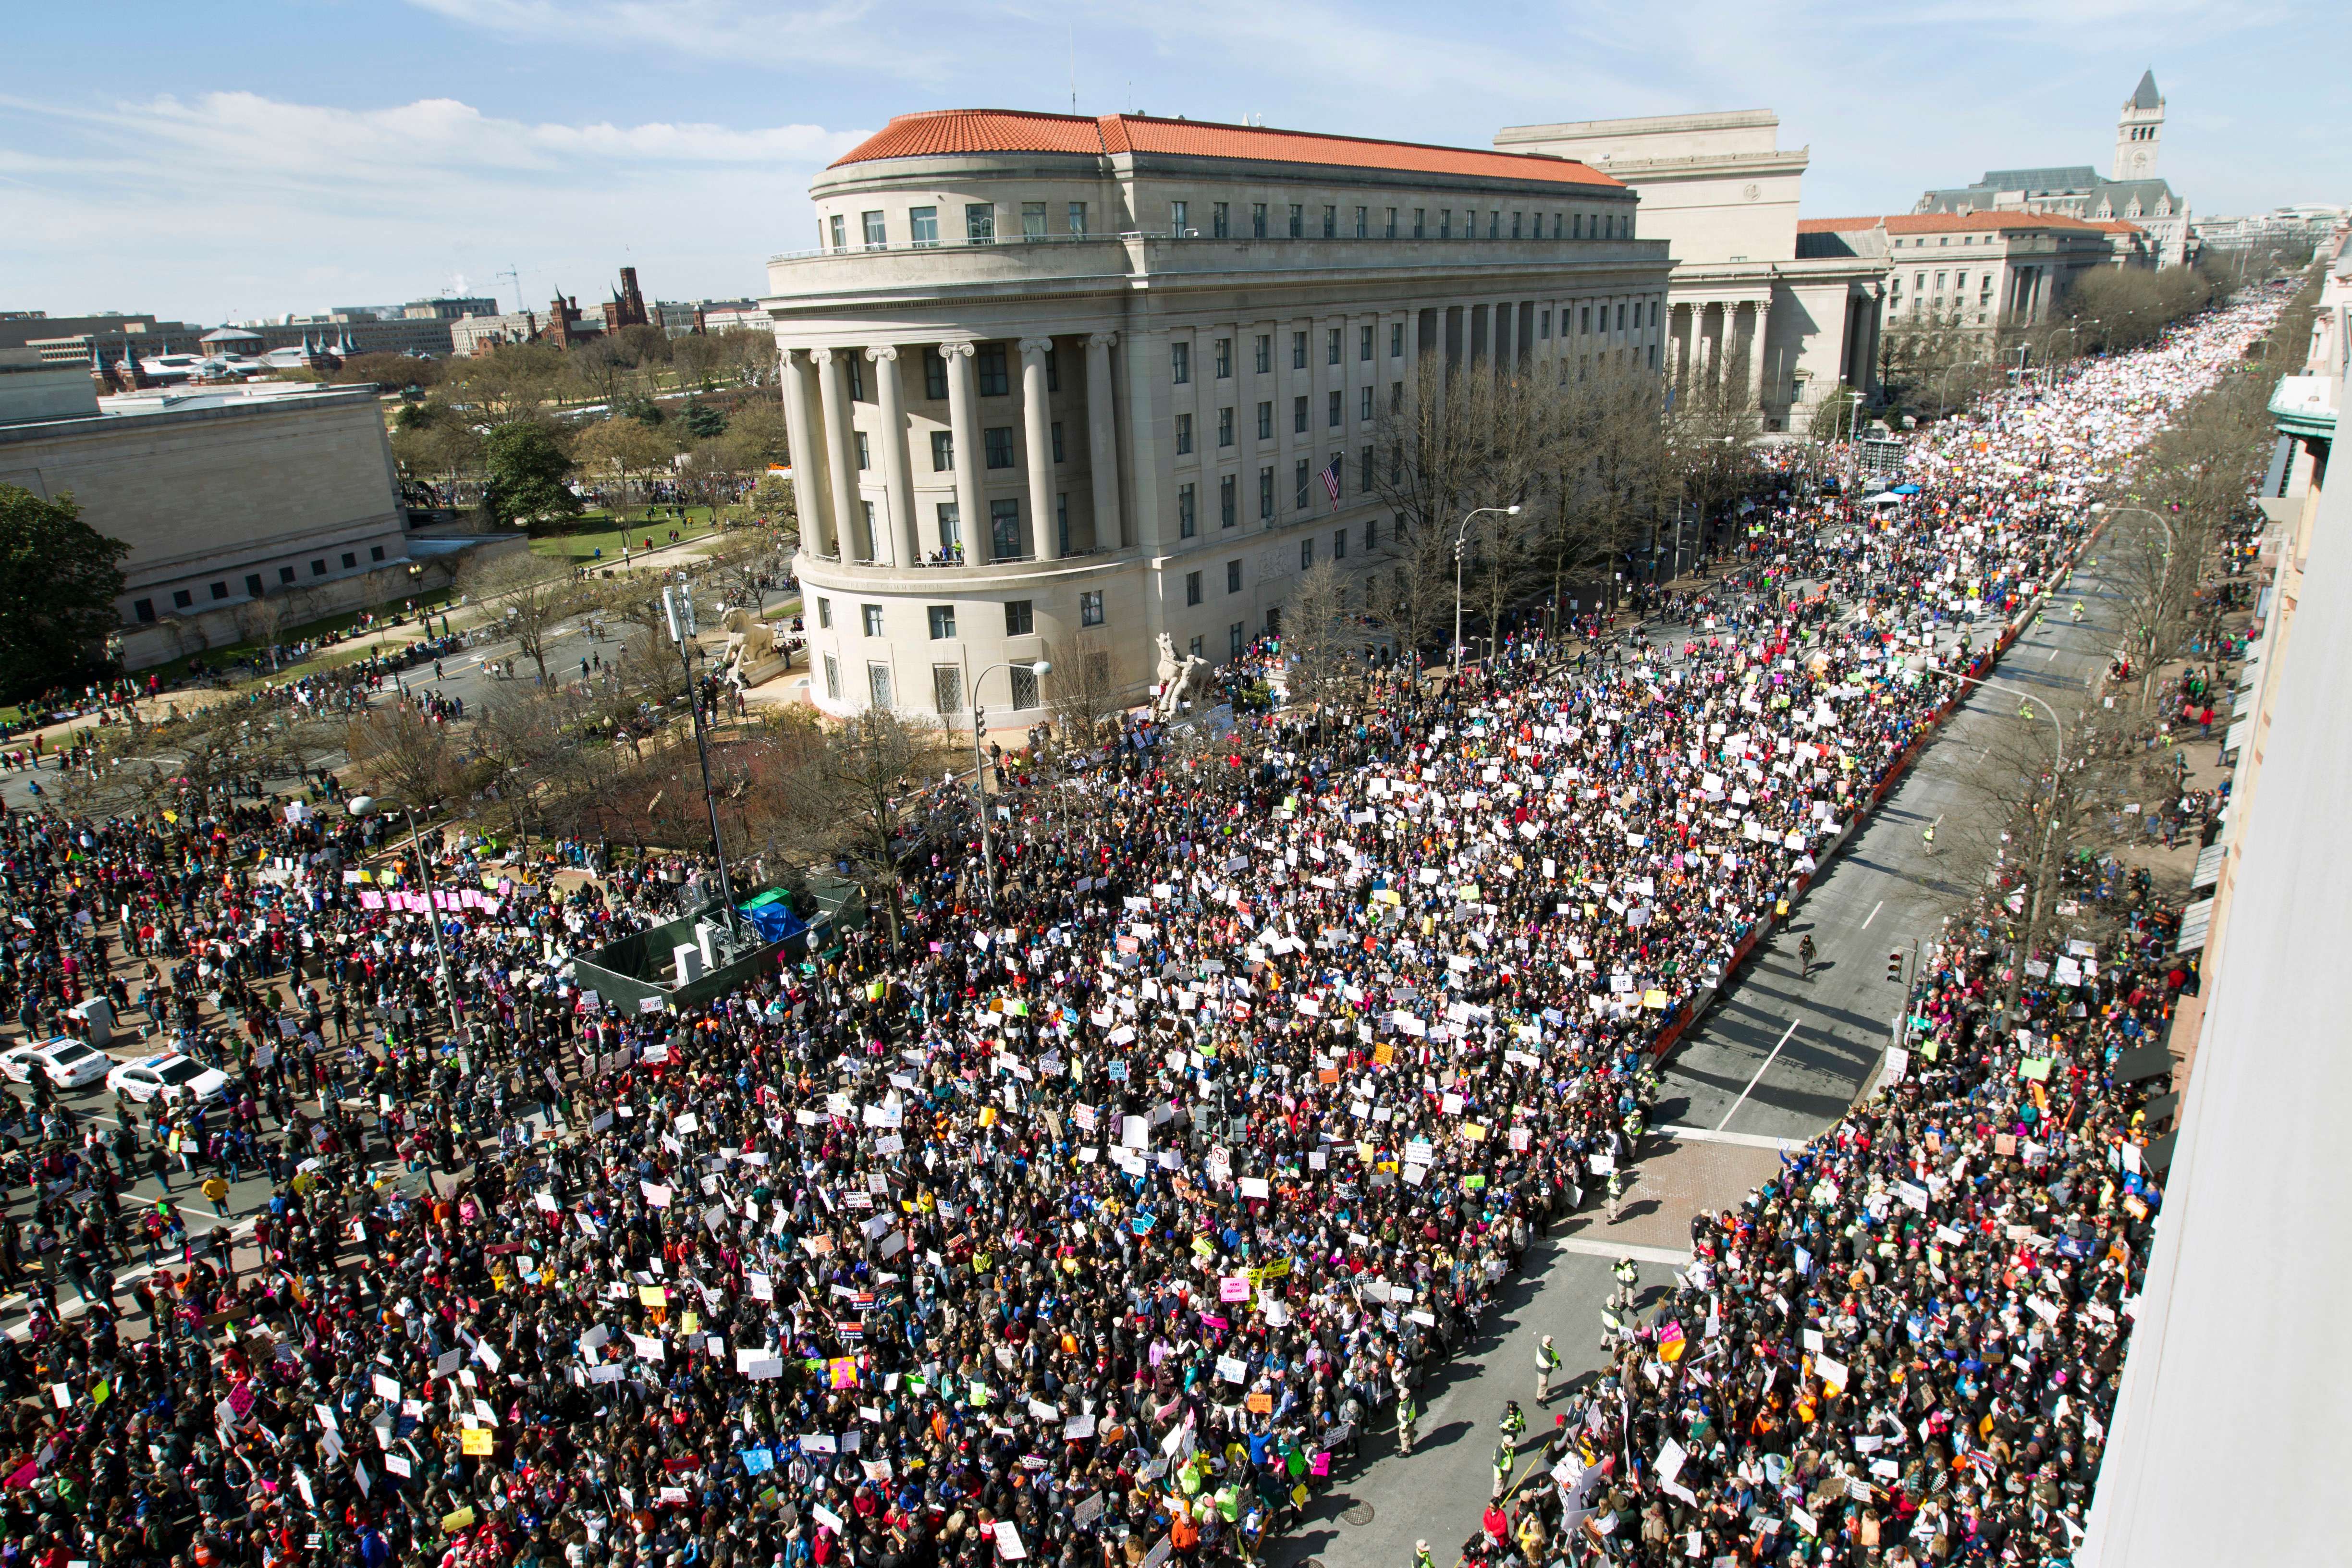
<point x="215" y="1187"/>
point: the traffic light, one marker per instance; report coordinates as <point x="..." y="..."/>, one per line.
<point x="1895" y="967"/>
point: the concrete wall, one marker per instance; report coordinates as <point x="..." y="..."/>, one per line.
<point x="172" y="636"/>
<point x="210" y="494"/>
<point x="31" y="390"/>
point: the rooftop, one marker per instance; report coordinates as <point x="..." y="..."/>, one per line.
<point x="1950" y="222"/>
<point x="950" y="131"/>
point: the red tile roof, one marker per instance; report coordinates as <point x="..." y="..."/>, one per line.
<point x="1946" y="223"/>
<point x="981" y="131"/>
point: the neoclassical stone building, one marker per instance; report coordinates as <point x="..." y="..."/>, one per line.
<point x="1750" y="307"/>
<point x="1055" y="383"/>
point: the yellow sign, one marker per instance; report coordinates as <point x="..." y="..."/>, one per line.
<point x="653" y="1295"/>
<point x="462" y="1520"/>
<point x="477" y="1440"/>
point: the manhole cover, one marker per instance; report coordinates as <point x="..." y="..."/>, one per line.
<point x="1360" y="1514"/>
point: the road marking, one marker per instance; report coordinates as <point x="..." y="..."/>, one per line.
<point x="1757" y="1079"/>
<point x="1624" y="1249"/>
<point x="2053" y="656"/>
<point x="1873" y="914"/>
<point x="1737" y="1140"/>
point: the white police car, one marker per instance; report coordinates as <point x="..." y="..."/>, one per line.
<point x="65" y="1062"/>
<point x="169" y="1074"/>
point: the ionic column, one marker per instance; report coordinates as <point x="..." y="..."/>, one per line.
<point x="898" y="471"/>
<point x="1036" y="437"/>
<point x="807" y="454"/>
<point x="840" y="445"/>
<point x="963" y="425"/>
<point x="1756" y="335"/>
<point x="1102" y="441"/>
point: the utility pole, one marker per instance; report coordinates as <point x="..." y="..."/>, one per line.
<point x="677" y="601"/>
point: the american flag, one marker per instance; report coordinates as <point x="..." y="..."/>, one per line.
<point x="1331" y="481"/>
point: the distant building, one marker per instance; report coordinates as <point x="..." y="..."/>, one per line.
<point x="470" y="336"/>
<point x="448" y="308"/>
<point x="736" y="316"/>
<point x="225" y="495"/>
<point x="2134" y="192"/>
<point x="2307" y="223"/>
<point x="1976" y="271"/>
<point x="565" y="326"/>
<point x="1745" y="303"/>
<point x="626" y="307"/>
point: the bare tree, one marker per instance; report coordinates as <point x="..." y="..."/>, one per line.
<point x="1710" y="435"/>
<point x="748" y="565"/>
<point x="1614" y="474"/>
<point x="1083" y="691"/>
<point x="1462" y="441"/>
<point x="507" y="383"/>
<point x="258" y="620"/>
<point x="1322" y="645"/>
<point x="876" y="762"/>
<point x="406" y="756"/>
<point x="529" y="595"/>
<point x="750" y="356"/>
<point x="625" y="448"/>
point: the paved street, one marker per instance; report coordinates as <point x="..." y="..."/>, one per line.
<point x="1780" y="1057"/>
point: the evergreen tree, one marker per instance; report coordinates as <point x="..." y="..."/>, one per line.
<point x="58" y="580"/>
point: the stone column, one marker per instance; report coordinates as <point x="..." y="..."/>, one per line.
<point x="1872" y="308"/>
<point x="808" y="457"/>
<point x="1759" y="337"/>
<point x="1044" y="536"/>
<point x="963" y="425"/>
<point x="840" y="450"/>
<point x="898" y="471"/>
<point x="1102" y="441"/>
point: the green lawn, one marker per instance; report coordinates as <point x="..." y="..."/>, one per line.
<point x="597" y="530"/>
<point x="439" y="599"/>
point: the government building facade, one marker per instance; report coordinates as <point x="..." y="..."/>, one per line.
<point x="1059" y="385"/>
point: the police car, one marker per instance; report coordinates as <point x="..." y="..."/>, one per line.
<point x="169" y="1074"/>
<point x="67" y="1063"/>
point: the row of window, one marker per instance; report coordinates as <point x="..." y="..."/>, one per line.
<point x="946" y="685"/>
<point x="1303" y="221"/>
<point x="1194" y="594"/>
<point x="1019" y="616"/>
<point x="255" y="587"/>
<point x="1180" y="354"/>
<point x="1306" y="221"/>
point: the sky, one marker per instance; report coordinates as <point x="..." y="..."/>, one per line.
<point x="243" y="158"/>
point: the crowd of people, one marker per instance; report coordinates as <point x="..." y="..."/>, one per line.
<point x="1107" y="1220"/>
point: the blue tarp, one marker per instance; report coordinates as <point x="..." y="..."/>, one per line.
<point x="775" y="921"/>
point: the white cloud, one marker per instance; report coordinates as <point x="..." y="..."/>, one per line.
<point x="856" y="35"/>
<point x="233" y="201"/>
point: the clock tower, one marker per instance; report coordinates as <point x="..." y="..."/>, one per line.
<point x="2138" y="130"/>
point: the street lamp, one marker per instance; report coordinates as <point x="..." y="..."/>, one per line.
<point x="2049" y="828"/>
<point x="365" y="806"/>
<point x="1460" y="534"/>
<point x="1944" y="383"/>
<point x="678" y="604"/>
<point x="979" y="766"/>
